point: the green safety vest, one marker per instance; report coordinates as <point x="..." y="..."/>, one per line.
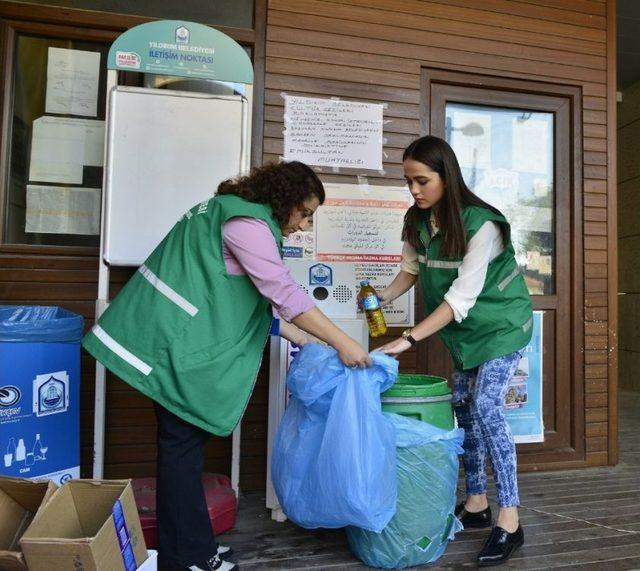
<point x="501" y="320"/>
<point x="185" y="332"/>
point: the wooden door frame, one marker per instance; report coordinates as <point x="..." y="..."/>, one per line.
<point x="531" y="456"/>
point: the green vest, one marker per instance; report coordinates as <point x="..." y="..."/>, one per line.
<point x="501" y="320"/>
<point x="185" y="332"/>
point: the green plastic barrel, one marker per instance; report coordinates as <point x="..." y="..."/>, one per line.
<point x="423" y="397"/>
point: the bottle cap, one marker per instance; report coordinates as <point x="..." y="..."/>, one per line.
<point x="364" y="283"/>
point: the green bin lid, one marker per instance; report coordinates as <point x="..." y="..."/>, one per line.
<point x="407" y="385"/>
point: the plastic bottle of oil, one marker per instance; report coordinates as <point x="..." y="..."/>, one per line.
<point x="368" y="300"/>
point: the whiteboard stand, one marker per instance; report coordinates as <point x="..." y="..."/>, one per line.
<point x="220" y="125"/>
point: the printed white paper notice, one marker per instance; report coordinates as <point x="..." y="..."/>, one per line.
<point x="61" y="146"/>
<point x="354" y="225"/>
<point x="72" y="82"/>
<point x="63" y="210"/>
<point x="333" y="133"/>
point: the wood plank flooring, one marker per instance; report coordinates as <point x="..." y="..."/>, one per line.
<point x="580" y="519"/>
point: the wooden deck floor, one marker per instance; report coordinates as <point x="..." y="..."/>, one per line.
<point x="579" y="519"/>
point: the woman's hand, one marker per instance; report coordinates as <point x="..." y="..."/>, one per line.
<point x="352" y="354"/>
<point x="396" y="347"/>
<point x="384" y="297"/>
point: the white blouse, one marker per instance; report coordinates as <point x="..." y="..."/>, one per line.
<point x="485" y="246"/>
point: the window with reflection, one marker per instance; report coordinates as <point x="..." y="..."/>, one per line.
<point x="506" y="157"/>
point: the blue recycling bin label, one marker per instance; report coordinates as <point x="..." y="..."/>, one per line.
<point x="40" y="410"/>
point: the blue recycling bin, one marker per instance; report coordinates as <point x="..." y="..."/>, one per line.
<point x="40" y="392"/>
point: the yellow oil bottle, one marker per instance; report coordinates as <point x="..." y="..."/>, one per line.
<point x="369" y="302"/>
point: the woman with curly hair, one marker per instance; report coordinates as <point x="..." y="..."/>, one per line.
<point x="189" y="330"/>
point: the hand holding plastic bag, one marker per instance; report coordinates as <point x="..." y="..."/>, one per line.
<point x="334" y="456"/>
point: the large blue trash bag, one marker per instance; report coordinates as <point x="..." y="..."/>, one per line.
<point x="333" y="460"/>
<point x="39" y="324"/>
<point x="424" y="521"/>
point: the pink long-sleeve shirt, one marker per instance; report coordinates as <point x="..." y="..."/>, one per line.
<point x="249" y="248"/>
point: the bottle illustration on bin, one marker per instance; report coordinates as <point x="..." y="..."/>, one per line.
<point x="19" y="453"/>
<point x="370" y="304"/>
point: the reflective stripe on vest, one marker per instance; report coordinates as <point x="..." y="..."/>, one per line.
<point x="443" y="264"/>
<point x="422" y="259"/>
<point x="527" y="325"/>
<point x="165" y="290"/>
<point x="506" y="281"/>
<point x="119" y="350"/>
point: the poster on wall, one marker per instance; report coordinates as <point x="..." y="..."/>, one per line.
<point x="523" y="402"/>
<point x="332" y="132"/>
<point x="361" y="224"/>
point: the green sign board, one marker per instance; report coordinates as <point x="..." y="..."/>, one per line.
<point x="186" y="49"/>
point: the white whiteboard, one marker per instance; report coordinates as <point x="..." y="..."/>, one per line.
<point x="166" y="151"/>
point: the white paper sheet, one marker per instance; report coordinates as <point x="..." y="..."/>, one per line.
<point x="72" y="82"/>
<point x="63" y="210"/>
<point x="60" y="146"/>
<point x="361" y="225"/>
<point x="333" y="133"/>
<point x="531" y="145"/>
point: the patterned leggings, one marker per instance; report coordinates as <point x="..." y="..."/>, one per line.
<point x="478" y="400"/>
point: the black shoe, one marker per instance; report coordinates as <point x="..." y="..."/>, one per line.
<point x="477" y="520"/>
<point x="500" y="546"/>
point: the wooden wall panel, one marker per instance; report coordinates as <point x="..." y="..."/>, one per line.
<point x="373" y="51"/>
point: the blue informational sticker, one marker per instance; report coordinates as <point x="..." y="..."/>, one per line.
<point x="523" y="401"/>
<point x="292" y="252"/>
<point x="122" y="533"/>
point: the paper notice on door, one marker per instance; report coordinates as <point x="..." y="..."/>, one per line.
<point x="63" y="210"/>
<point x="72" y="82"/>
<point x="61" y="146"/>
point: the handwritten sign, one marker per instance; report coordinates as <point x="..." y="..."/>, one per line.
<point x="332" y="133"/>
<point x="356" y="225"/>
<point x="72" y="82"/>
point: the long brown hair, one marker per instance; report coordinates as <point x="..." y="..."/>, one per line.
<point x="283" y="186"/>
<point x="439" y="157"/>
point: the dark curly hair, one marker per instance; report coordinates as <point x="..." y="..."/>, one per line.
<point x="283" y="186"/>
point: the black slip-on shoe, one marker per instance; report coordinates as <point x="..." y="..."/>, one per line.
<point x="476" y="520"/>
<point x="500" y="546"/>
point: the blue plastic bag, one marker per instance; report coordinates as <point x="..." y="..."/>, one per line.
<point x="424" y="521"/>
<point x="39" y="324"/>
<point x="333" y="460"/>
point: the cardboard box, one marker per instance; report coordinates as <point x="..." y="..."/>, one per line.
<point x="20" y="500"/>
<point x="87" y="525"/>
